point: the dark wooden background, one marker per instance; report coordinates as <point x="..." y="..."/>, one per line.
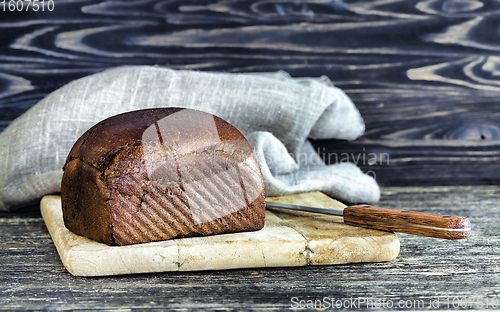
<point x="424" y="74"/>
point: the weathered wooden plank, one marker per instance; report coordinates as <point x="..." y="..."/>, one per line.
<point x="426" y="269"/>
<point x="287" y="240"/>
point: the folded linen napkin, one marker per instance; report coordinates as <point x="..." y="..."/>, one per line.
<point x="275" y="112"/>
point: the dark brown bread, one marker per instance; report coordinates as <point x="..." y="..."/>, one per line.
<point x="157" y="174"/>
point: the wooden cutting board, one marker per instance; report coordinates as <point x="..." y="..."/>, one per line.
<point x="288" y="239"/>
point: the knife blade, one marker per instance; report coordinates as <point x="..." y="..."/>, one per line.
<point x="394" y="220"/>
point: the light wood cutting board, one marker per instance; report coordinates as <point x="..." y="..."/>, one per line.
<point x="288" y="239"/>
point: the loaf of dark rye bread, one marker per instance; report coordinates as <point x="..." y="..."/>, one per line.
<point x="157" y="174"/>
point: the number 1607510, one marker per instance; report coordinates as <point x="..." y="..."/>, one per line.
<point x="27" y="5"/>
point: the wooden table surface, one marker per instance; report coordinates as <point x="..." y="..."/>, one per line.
<point x="463" y="272"/>
<point x="425" y="75"/>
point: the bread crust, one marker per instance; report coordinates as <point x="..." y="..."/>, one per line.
<point x="157" y="174"/>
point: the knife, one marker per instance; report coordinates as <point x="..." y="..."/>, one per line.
<point x="394" y="220"/>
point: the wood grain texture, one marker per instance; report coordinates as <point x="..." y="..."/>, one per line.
<point x="408" y="221"/>
<point x="424" y="73"/>
<point x="33" y="277"/>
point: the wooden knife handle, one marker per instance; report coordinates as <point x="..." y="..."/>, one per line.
<point x="405" y="221"/>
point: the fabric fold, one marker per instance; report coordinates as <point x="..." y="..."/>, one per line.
<point x="276" y="112"/>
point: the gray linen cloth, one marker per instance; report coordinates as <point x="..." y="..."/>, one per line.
<point x="275" y="112"/>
